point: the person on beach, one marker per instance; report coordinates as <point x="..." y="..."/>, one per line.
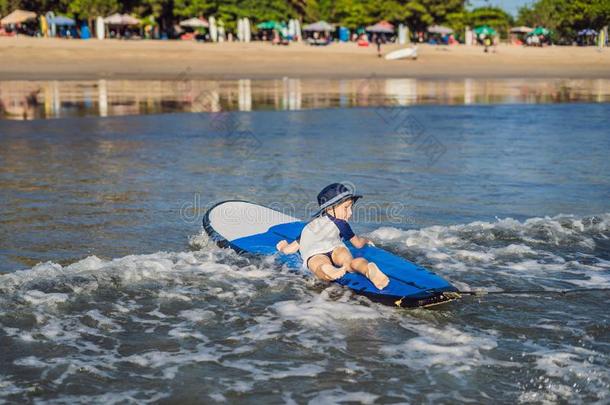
<point x="378" y="43"/>
<point x="321" y="242"/>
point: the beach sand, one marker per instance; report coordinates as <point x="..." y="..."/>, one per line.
<point x="25" y="58"/>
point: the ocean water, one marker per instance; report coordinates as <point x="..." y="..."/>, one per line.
<point x="112" y="293"/>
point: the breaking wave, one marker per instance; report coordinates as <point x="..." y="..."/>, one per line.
<point x="211" y="326"/>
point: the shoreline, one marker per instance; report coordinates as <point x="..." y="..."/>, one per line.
<point x="58" y="59"/>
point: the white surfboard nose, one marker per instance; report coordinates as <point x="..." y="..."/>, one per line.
<point x="238" y="219"/>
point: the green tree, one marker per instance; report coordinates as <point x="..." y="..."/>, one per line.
<point x="89" y="9"/>
<point x="350" y="13"/>
<point x="192" y="8"/>
<point x="566" y="17"/>
<point x="231" y="10"/>
<point x="543" y="13"/>
<point x="417" y="14"/>
<point x="39" y="6"/>
<point x="458" y="22"/>
<point x="495" y="17"/>
<point x="5" y="7"/>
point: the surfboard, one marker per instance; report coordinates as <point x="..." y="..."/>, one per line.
<point x="402" y="54"/>
<point x="240" y="30"/>
<point x="253" y="229"/>
<point x="247" y="30"/>
<point x="213" y="29"/>
<point x="100" y="28"/>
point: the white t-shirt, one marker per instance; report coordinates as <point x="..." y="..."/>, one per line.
<point x="323" y="235"/>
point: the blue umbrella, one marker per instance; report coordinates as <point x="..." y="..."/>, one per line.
<point x="587" y="32"/>
<point x="61" y="20"/>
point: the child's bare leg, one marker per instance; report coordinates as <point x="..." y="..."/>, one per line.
<point x="370" y="271"/>
<point x="342" y="257"/>
<point x="360" y="265"/>
<point x="322" y="267"/>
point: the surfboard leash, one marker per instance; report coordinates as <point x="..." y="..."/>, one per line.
<point x="532" y="292"/>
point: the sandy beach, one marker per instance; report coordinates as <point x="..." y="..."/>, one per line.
<point x="25" y="58"/>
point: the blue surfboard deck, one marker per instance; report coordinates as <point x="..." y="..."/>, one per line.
<point x="256" y="230"/>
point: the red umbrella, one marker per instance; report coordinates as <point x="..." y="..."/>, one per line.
<point x="383" y="27"/>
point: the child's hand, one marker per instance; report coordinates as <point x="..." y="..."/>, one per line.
<point x="281" y="245"/>
<point x="359" y="242"/>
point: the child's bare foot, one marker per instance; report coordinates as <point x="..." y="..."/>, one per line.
<point x="377" y="277"/>
<point x="332" y="272"/>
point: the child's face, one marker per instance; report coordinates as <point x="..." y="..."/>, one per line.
<point x="344" y="210"/>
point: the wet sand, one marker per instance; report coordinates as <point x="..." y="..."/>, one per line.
<point x="26" y="58"/>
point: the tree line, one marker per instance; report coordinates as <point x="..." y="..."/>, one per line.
<point x="563" y="17"/>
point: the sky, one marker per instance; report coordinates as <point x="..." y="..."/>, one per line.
<point x="512" y="6"/>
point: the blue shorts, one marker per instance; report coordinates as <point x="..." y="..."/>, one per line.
<point x="327" y="254"/>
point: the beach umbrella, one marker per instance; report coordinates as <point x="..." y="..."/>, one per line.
<point x="382" y="27"/>
<point x="439" y="29"/>
<point x="18" y="17"/>
<point x="540" y="31"/>
<point x="129" y="20"/>
<point x="62" y="20"/>
<point x="319" y="26"/>
<point x="121" y="19"/>
<point x="485" y="30"/>
<point x="588" y="32"/>
<point x="268" y="25"/>
<point x="194" y="23"/>
<point x="521" y="30"/>
<point x="271" y="25"/>
<point x="114" y="19"/>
